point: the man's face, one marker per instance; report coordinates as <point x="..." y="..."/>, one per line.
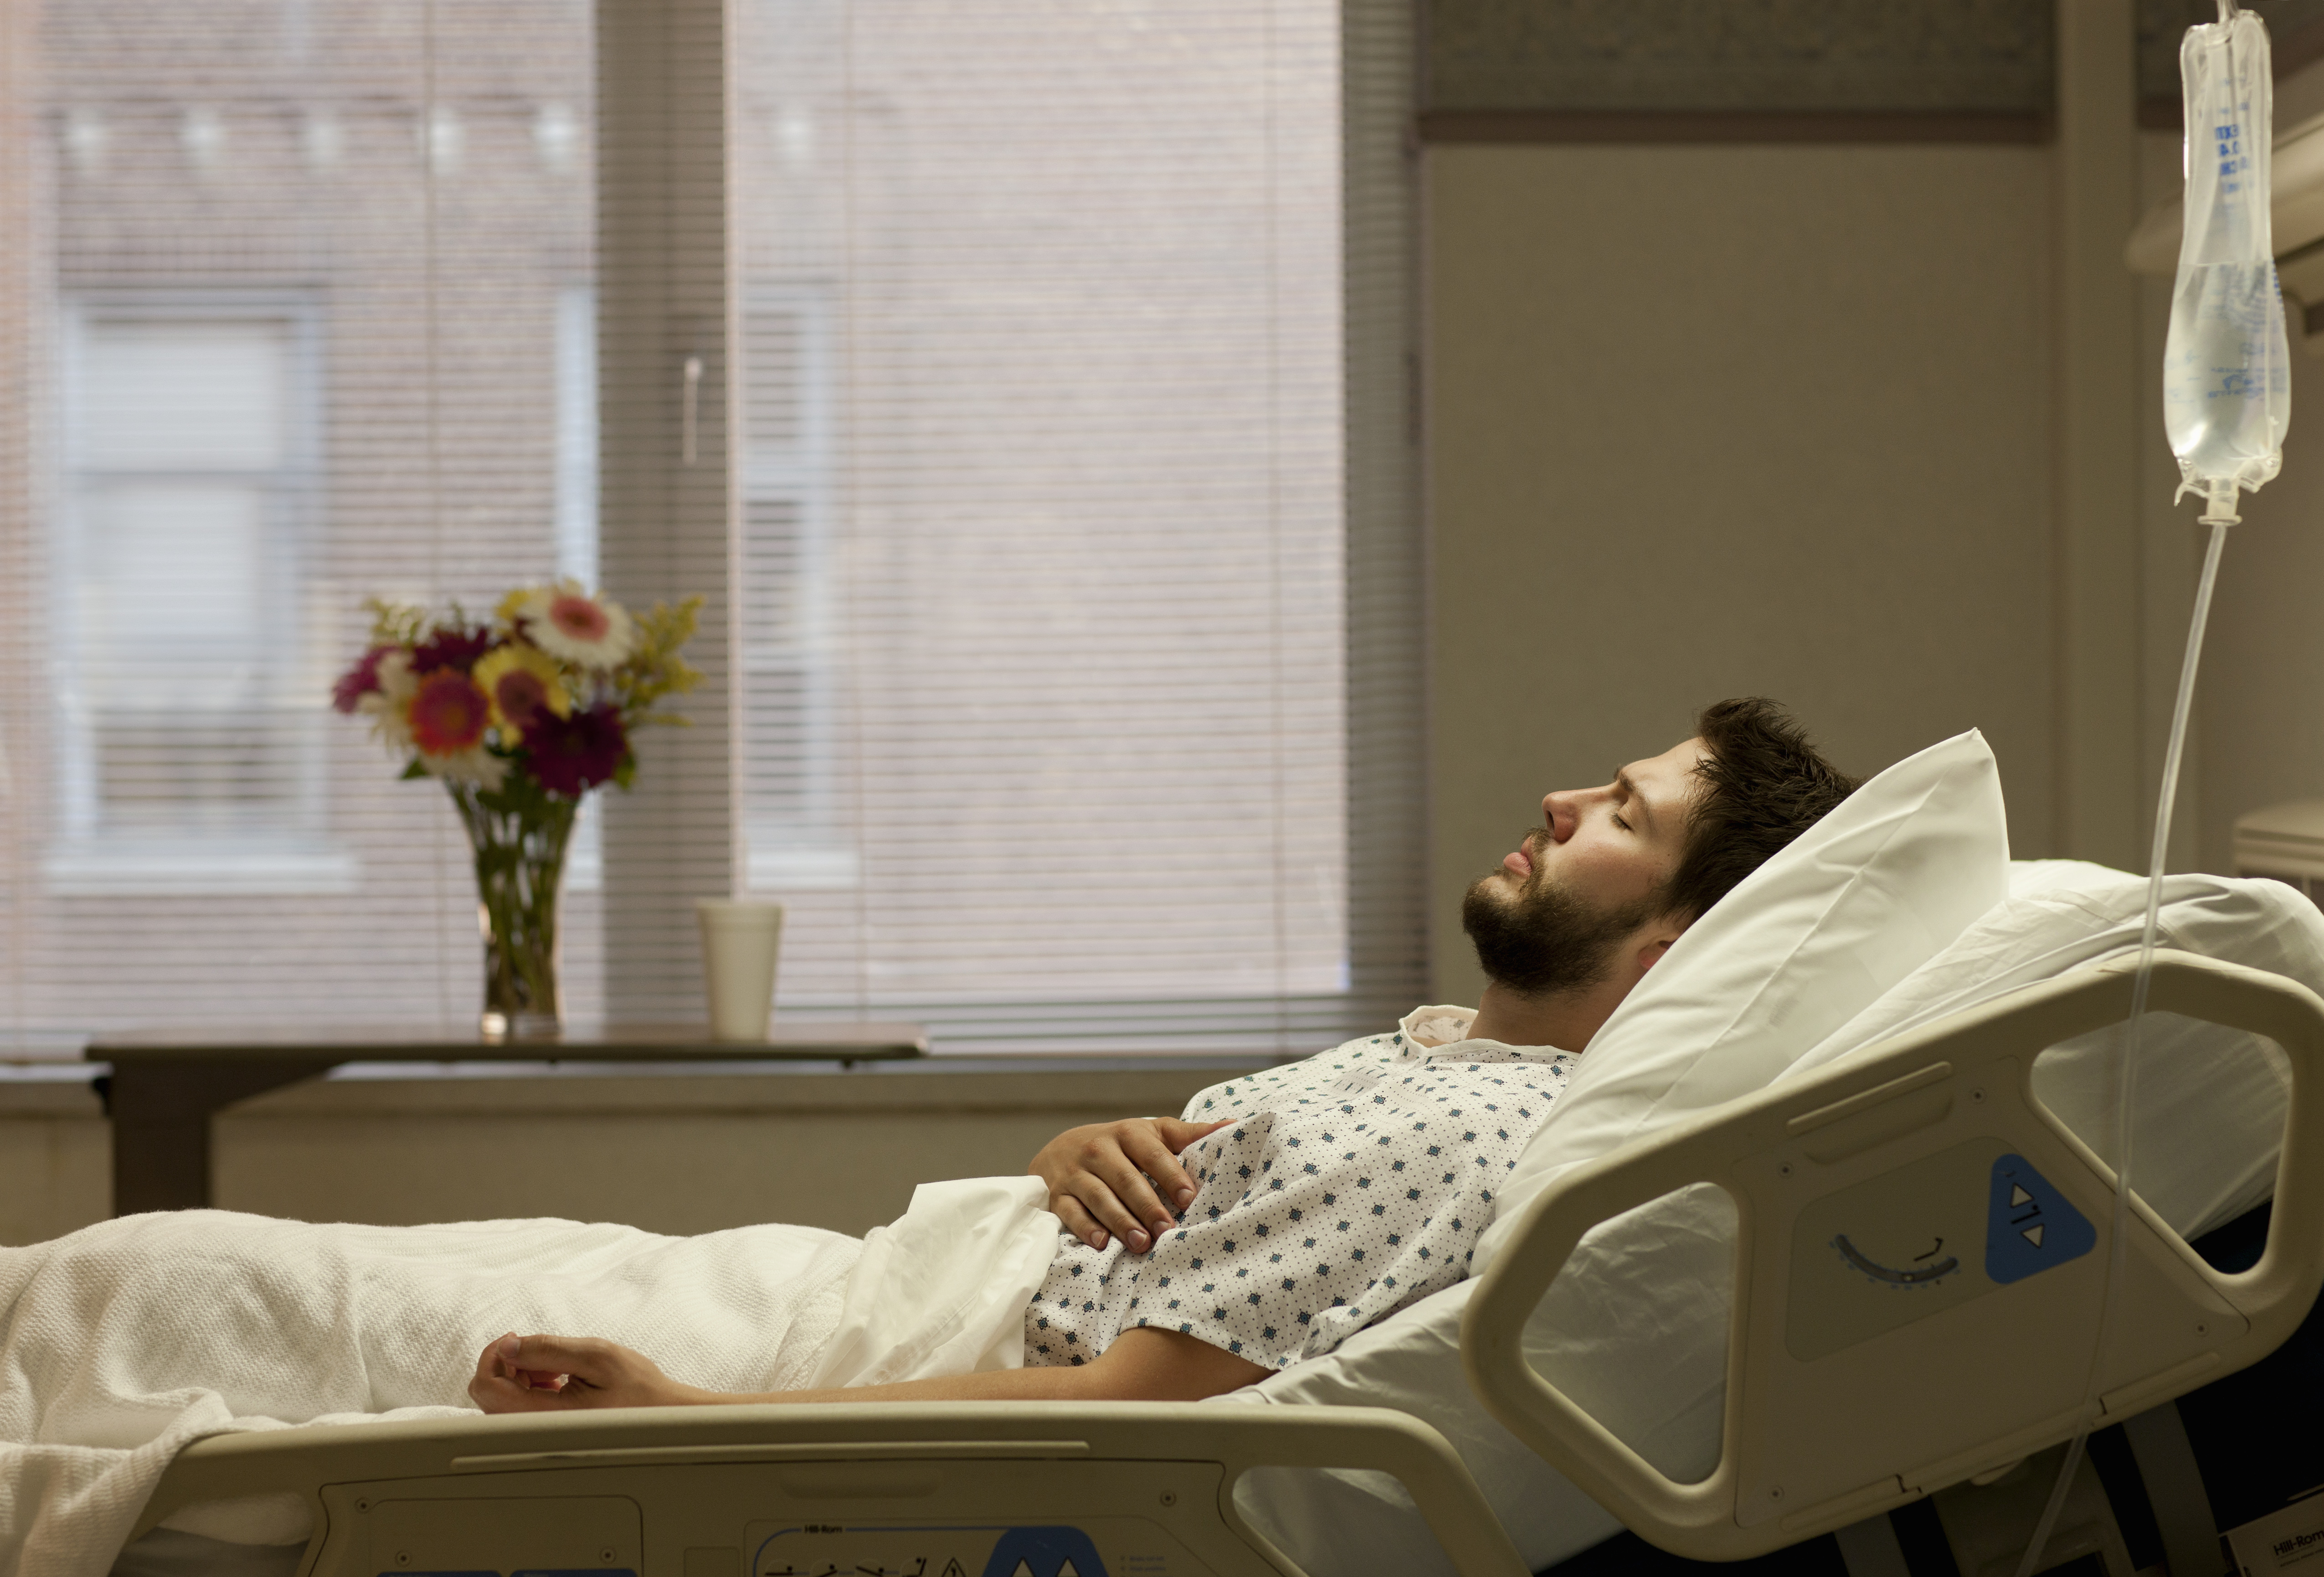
<point x="1557" y="912"/>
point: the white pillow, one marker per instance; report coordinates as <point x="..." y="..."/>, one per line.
<point x="2211" y="1101"/>
<point x="1800" y="946"/>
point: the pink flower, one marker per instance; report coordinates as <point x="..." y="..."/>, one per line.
<point x="454" y="649"/>
<point x="359" y="681"/>
<point x="579" y="618"/>
<point x="572" y="626"/>
<point x="572" y="755"/>
<point x="448" y="714"/>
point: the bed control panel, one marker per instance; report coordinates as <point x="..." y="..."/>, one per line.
<point x="2029" y="1225"/>
<point x="1929" y="1235"/>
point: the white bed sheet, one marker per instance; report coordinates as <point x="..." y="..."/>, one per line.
<point x="107" y="1368"/>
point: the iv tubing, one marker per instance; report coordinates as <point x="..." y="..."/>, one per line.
<point x="2219" y="516"/>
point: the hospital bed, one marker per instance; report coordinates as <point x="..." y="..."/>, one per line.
<point x="1921" y="1257"/>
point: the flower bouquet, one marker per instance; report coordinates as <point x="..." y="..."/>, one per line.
<point x="520" y="717"/>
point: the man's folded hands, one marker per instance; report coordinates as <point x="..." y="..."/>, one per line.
<point x="1115" y="1177"/>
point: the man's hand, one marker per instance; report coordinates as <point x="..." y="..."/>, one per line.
<point x="557" y="1374"/>
<point x="1103" y="1177"/>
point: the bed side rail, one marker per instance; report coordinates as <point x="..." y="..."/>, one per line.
<point x="1920" y="1267"/>
<point x="869" y="1486"/>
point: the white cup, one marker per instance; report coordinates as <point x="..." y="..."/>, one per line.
<point x="740" y="940"/>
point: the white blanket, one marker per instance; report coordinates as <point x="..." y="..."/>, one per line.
<point x="122" y="1343"/>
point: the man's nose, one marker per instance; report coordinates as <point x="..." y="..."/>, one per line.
<point x="1562" y="808"/>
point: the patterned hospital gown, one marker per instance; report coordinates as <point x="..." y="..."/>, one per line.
<point x="1349" y="1185"/>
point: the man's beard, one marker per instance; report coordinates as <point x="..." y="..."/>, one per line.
<point x="1545" y="941"/>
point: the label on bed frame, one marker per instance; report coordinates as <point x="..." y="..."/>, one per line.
<point x="2282" y="1540"/>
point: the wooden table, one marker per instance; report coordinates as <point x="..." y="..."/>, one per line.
<point x="165" y="1087"/>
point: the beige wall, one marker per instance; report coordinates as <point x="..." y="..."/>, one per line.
<point x="56" y="1158"/>
<point x="1714" y="420"/>
<point x="679" y="1154"/>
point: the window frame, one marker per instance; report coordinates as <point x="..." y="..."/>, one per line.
<point x="672" y="289"/>
<point x="296" y="855"/>
<point x="810" y="851"/>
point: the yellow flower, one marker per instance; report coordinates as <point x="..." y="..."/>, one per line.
<point x="513" y="604"/>
<point x="521" y="682"/>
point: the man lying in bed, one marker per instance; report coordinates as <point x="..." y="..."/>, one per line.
<point x="1290" y="1209"/>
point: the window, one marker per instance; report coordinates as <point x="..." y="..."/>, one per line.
<point x="308" y="293"/>
<point x="1054" y="499"/>
<point x="188" y="757"/>
<point x="1043" y="517"/>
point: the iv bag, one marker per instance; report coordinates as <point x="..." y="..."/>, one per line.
<point x="2226" y="373"/>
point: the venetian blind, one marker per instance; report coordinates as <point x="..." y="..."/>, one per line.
<point x="1064" y="583"/>
<point x="1060" y="727"/>
<point x="299" y="309"/>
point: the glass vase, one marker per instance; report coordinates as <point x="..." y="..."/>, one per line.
<point x="518" y="833"/>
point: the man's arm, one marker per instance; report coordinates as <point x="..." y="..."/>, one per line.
<point x="554" y="1374"/>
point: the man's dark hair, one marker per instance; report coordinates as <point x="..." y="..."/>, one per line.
<point x="1762" y="785"/>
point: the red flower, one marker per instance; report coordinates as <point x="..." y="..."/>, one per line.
<point x="358" y="682"/>
<point x="572" y="755"/>
<point x="448" y="714"/>
<point x="454" y="649"/>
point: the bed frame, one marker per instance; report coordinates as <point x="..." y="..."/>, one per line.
<point x="930" y="1489"/>
<point x="1860" y="1374"/>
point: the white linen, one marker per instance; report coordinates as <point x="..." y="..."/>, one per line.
<point x="941" y="1289"/>
<point x="2210" y="1100"/>
<point x="125" y="1341"/>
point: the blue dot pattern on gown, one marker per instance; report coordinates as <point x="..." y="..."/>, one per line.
<point x="1349" y="1185"/>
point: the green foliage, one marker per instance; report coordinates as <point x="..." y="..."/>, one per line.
<point x="396" y="623"/>
<point x="655" y="670"/>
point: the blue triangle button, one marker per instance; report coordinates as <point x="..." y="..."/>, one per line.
<point x="2029" y="1226"/>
